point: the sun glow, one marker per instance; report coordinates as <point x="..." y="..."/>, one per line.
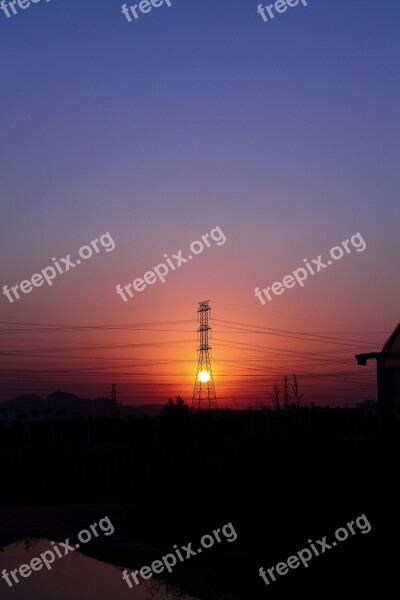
<point x="204" y="376"/>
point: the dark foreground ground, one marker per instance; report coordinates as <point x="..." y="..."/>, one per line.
<point x="279" y="478"/>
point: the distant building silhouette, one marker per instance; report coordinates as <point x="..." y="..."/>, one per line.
<point x="388" y="374"/>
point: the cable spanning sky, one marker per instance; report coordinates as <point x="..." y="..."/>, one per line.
<point x="153" y="360"/>
<point x="285" y="134"/>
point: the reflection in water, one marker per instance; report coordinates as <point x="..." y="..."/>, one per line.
<point x="73" y="576"/>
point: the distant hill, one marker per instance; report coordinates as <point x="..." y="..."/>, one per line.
<point x="59" y="404"/>
<point x="24" y="403"/>
<point x="62" y="405"/>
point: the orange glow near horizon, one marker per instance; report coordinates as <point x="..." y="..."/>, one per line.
<point x="153" y="356"/>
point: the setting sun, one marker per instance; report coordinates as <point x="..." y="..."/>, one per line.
<point x="204" y="376"/>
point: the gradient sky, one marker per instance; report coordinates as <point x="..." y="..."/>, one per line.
<point x="285" y="134"/>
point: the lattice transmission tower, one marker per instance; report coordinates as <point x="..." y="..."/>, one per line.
<point x="204" y="391"/>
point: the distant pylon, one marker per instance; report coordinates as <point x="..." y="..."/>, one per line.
<point x="204" y="391"/>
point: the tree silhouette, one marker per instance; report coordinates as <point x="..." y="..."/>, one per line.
<point x="275" y="396"/>
<point x="295" y="390"/>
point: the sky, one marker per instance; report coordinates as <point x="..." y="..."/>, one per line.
<point x="284" y="134"/>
